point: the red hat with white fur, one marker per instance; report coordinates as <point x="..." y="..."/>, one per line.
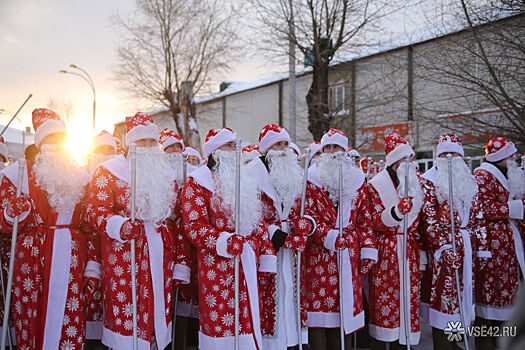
<point x="46" y="122"/>
<point x="271" y="134"/>
<point x="315" y="148"/>
<point x="190" y="151"/>
<point x="499" y="148"/>
<point x="366" y="163"/>
<point x="450" y="143"/>
<point x="140" y="127"/>
<point x="396" y="148"/>
<point x="3" y="149"/>
<point x="335" y="137"/>
<point x="104" y="139"/>
<point x="169" y="137"/>
<point x="216" y="138"/>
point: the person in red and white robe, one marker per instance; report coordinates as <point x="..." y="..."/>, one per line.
<point x="250" y="153"/>
<point x="279" y="178"/>
<point x="209" y="221"/>
<point x="194" y="158"/>
<point x="173" y="145"/>
<point x="154" y="231"/>
<point x="501" y="192"/>
<point x="470" y="237"/>
<point x="103" y="148"/>
<point x="357" y="245"/>
<point x="388" y="206"/>
<point x="51" y="263"/>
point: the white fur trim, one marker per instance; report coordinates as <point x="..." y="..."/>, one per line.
<point x="222" y="244"/>
<point x="171" y="141"/>
<point x="437" y="253"/>
<point x="104" y="140"/>
<point x="182" y="273"/>
<point x="332" y="320"/>
<point x="315" y="149"/>
<point x="388" y="219"/>
<point x="141" y="132"/>
<point x="402" y="150"/>
<point x="369" y="253"/>
<point x="516" y="209"/>
<point x="271" y="230"/>
<point x="449" y="146"/>
<point x="439" y="320"/>
<point x="392" y="334"/>
<point x="246" y="342"/>
<point x="117" y="341"/>
<point x="329" y="240"/>
<point x="335" y="139"/>
<point x="93" y="269"/>
<point x="273" y="137"/>
<point x="494" y="313"/>
<point x="204" y="177"/>
<point x="423" y="259"/>
<point x="113" y="226"/>
<point x="21" y="217"/>
<point x="224" y="136"/>
<point x="504" y="152"/>
<point x="268" y="263"/>
<point x="483" y="254"/>
<point x="355" y="153"/>
<point x="314" y="224"/>
<point x="94" y="329"/>
<point x="3" y="150"/>
<point x="51" y="126"/>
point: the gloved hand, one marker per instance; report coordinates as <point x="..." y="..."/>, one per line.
<point x="451" y="259"/>
<point x="177" y="283"/>
<point x="405" y="205"/>
<point x="366" y="266"/>
<point x="296" y="242"/>
<point x="17" y="205"/>
<point x="340" y="243"/>
<point x="302" y="226"/>
<point x="235" y="245"/>
<point x="132" y="230"/>
<point x="482" y="263"/>
<point x="90" y="286"/>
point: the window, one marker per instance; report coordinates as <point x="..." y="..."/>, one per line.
<point x="339" y="98"/>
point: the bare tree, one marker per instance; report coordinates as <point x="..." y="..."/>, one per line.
<point x="322" y="29"/>
<point x="63" y="107"/>
<point x="482" y="69"/>
<point x="170" y="48"/>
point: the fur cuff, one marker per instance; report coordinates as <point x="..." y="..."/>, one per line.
<point x="222" y="244"/>
<point x="182" y="273"/>
<point x="11" y="219"/>
<point x="369" y="253"/>
<point x="483" y="254"/>
<point x="330" y="238"/>
<point x="113" y="226"/>
<point x="271" y="230"/>
<point x="437" y="254"/>
<point x="93" y="269"/>
<point x="516" y="209"/>
<point x="388" y="219"/>
<point x="268" y="263"/>
<point x="314" y="224"/>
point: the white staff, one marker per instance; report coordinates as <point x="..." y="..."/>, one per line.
<point x="7" y="305"/>
<point x="133" y="156"/>
<point x="453" y="229"/>
<point x="176" y="301"/>
<point x="298" y="271"/>
<point x="238" y="149"/>
<point x="3" y="295"/>
<point x="340" y="255"/>
<point x="406" y="298"/>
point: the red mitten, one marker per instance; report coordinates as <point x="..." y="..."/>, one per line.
<point x="132" y="230"/>
<point x="296" y="242"/>
<point x="340" y="243"/>
<point x="17" y="206"/>
<point x="302" y="226"/>
<point x="90" y="286"/>
<point x="235" y="245"/>
<point x="405" y="205"/>
<point x="451" y="259"/>
<point x="366" y="266"/>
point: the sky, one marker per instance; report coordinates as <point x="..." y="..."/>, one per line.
<point x="40" y="37"/>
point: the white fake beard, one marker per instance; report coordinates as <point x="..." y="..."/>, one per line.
<point x="155" y="192"/>
<point x="328" y="166"/>
<point x="224" y="196"/>
<point x="57" y="174"/>
<point x="464" y="187"/>
<point x="516" y="180"/>
<point x="286" y="175"/>
<point x="414" y="187"/>
<point x="175" y="162"/>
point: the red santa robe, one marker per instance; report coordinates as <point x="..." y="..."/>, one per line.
<point x="209" y="229"/>
<point x="157" y="266"/>
<point x="322" y="264"/>
<point x="278" y="298"/>
<point x="497" y="284"/>
<point x="386" y="290"/>
<point x="471" y="241"/>
<point x="49" y="267"/>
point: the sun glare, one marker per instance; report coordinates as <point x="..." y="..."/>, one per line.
<point x="79" y="139"/>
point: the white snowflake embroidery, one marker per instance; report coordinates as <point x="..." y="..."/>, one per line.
<point x="71" y="331"/>
<point x="73" y="304"/>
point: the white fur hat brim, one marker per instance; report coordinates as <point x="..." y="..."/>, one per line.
<point x="504" y="152"/>
<point x="104" y="140"/>
<point x="335" y="139"/>
<point x="402" y="150"/>
<point x="272" y="138"/>
<point x="445" y="147"/>
<point x="224" y="136"/>
<point x="141" y="132"/>
<point x="51" y="126"/>
<point x="171" y="141"/>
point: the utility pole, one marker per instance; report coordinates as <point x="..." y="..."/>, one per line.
<point x="291" y="69"/>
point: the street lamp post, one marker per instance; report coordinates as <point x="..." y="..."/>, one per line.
<point x="88" y="79"/>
